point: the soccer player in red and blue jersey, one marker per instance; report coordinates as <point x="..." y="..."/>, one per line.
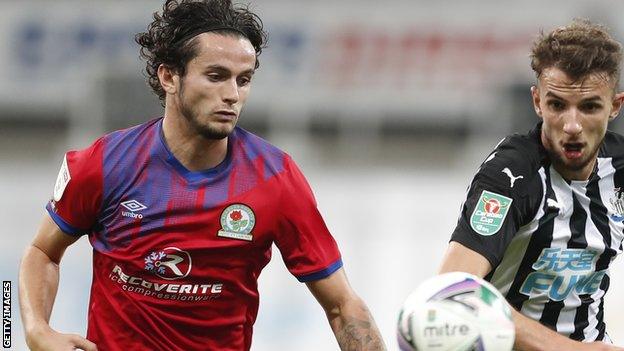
<point x="182" y="211"/>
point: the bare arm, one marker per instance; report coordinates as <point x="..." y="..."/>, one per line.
<point x="530" y="335"/>
<point x="38" y="284"/>
<point x="347" y="314"/>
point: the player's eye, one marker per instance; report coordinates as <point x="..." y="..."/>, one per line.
<point x="556" y="105"/>
<point x="243" y="81"/>
<point x="214" y="77"/>
<point x="591" y="107"/>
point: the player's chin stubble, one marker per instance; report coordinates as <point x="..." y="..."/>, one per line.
<point x="203" y="129"/>
<point x="206" y="131"/>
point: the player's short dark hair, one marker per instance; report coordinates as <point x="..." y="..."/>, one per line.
<point x="578" y="49"/>
<point x="171" y="37"/>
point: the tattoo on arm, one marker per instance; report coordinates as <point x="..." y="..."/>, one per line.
<point x="358" y="335"/>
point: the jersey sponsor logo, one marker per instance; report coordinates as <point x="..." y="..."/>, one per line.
<point x="489" y="213"/>
<point x="617" y="203"/>
<point x="166" y="291"/>
<point x="62" y="180"/>
<point x="512" y="178"/>
<point x="560" y="272"/>
<point x="169" y="263"/>
<point x="237" y="222"/>
<point x="133" y="206"/>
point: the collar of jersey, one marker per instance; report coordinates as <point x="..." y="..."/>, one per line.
<point x="193" y="176"/>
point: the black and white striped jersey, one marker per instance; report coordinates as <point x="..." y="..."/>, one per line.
<point x="549" y="240"/>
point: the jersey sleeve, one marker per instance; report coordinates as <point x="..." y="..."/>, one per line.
<point x="307" y="247"/>
<point x="78" y="191"/>
<point x="502" y="197"/>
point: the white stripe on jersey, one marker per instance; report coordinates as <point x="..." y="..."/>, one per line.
<point x="590" y="332"/>
<point x="606" y="186"/>
<point x="534" y="306"/>
<point x="506" y="271"/>
<point x="534" y="310"/>
<point x="595" y="241"/>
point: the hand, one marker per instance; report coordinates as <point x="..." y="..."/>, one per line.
<point x="47" y="339"/>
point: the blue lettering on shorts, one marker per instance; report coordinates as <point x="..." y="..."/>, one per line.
<point x="559" y="272"/>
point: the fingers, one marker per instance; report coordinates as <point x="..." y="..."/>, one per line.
<point x="83" y="344"/>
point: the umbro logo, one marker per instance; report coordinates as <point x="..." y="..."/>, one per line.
<point x="133" y="206"/>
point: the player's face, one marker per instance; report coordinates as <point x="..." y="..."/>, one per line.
<point x="575" y="116"/>
<point x="216" y="84"/>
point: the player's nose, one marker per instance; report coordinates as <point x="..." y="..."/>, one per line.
<point x="229" y="91"/>
<point x="572" y="122"/>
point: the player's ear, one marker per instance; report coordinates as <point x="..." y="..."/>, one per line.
<point x="536" y="100"/>
<point x="169" y="79"/>
<point x="618" y="99"/>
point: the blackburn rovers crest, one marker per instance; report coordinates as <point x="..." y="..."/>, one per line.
<point x="237" y="222"/>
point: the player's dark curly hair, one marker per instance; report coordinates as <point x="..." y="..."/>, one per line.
<point x="578" y="49"/>
<point x="170" y="38"/>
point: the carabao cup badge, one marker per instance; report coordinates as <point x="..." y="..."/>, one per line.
<point x="237" y="222"/>
<point x="489" y="213"/>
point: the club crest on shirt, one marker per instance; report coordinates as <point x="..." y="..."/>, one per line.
<point x="489" y="213"/>
<point x="617" y="202"/>
<point x="237" y="222"/>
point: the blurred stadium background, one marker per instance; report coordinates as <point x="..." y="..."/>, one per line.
<point x="388" y="107"/>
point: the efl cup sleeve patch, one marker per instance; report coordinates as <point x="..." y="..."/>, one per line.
<point x="62" y="180"/>
<point x="489" y="213"/>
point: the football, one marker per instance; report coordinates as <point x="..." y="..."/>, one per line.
<point x="455" y="312"/>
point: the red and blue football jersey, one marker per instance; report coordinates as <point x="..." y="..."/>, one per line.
<point x="177" y="254"/>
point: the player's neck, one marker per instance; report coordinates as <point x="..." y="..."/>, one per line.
<point x="576" y="174"/>
<point x="192" y="150"/>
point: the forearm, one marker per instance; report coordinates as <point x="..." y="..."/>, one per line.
<point x="533" y="336"/>
<point x="38" y="284"/>
<point x="354" y="327"/>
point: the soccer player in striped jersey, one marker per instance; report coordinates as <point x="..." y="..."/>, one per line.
<point x="543" y="217"/>
<point x="182" y="211"/>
